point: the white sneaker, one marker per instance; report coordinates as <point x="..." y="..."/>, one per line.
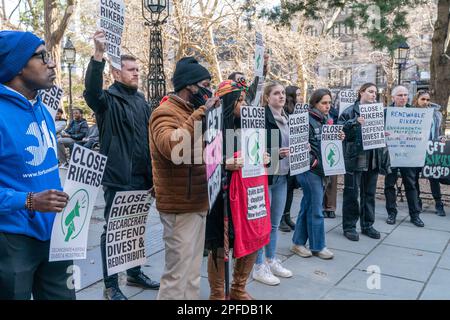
<point x="277" y="269"/>
<point x="325" y="254"/>
<point x="302" y="251"/>
<point x="263" y="274"/>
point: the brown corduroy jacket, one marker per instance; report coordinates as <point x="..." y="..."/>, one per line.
<point x="179" y="177"/>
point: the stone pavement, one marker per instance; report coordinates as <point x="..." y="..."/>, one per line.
<point x="414" y="262"/>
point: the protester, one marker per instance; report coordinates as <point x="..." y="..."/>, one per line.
<point x="293" y="97"/>
<point x="30" y="189"/>
<point x="330" y="195"/>
<point x="92" y="138"/>
<point x="266" y="270"/>
<point x="362" y="169"/>
<point x="122" y="115"/>
<point x="249" y="235"/>
<point x="310" y="221"/>
<point x="422" y="100"/>
<point x="60" y="122"/>
<point x="400" y="100"/>
<point x="180" y="178"/>
<point x="75" y="132"/>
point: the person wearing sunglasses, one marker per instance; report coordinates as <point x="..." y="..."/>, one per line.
<point x="30" y="188"/>
<point x="422" y="99"/>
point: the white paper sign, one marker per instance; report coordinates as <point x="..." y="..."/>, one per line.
<point x="259" y="55"/>
<point x="213" y="153"/>
<point x="332" y="153"/>
<point x="71" y="226"/>
<point x="253" y="141"/>
<point x="407" y="133"/>
<point x="51" y="99"/>
<point x="112" y="21"/>
<point x="346" y="99"/>
<point x="256" y="203"/>
<point x="125" y="235"/>
<point x="299" y="140"/>
<point x="373" y="128"/>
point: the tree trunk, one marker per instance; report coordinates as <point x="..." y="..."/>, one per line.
<point x="440" y="59"/>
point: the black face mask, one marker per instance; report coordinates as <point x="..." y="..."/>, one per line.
<point x="199" y="99"/>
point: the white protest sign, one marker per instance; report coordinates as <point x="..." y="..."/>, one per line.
<point x="332" y="153"/>
<point x="51" y="99"/>
<point x="299" y="140"/>
<point x="407" y="133"/>
<point x="346" y="99"/>
<point x="71" y="226"/>
<point x="256" y="200"/>
<point x="253" y="141"/>
<point x="259" y="92"/>
<point x="125" y="234"/>
<point x="373" y="128"/>
<point x="111" y="21"/>
<point x="213" y="153"/>
<point x="259" y="55"/>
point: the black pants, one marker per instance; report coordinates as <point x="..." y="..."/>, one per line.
<point x="364" y="185"/>
<point x="25" y="271"/>
<point x="139" y="183"/>
<point x="291" y="185"/>
<point x="435" y="187"/>
<point x="412" y="196"/>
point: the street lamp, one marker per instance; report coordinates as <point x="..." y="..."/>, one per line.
<point x="69" y="57"/>
<point x="401" y="57"/>
<point x="155" y="12"/>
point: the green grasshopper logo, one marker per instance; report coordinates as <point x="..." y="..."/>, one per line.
<point x="69" y="222"/>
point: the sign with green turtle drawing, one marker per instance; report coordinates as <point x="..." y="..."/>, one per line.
<point x="332" y="154"/>
<point x="71" y="226"/>
<point x="253" y="141"/>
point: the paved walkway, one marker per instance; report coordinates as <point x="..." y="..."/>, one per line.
<point x="414" y="262"/>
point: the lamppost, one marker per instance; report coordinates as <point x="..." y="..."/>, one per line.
<point x="154" y="13"/>
<point x="69" y="57"/>
<point x="401" y="57"/>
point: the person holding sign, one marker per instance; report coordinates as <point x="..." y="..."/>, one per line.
<point x="268" y="266"/>
<point x="422" y="100"/>
<point x="310" y="221"/>
<point x="400" y="100"/>
<point x="362" y="170"/>
<point x="245" y="235"/>
<point x="122" y="116"/>
<point x="30" y="188"/>
<point x="181" y="184"/>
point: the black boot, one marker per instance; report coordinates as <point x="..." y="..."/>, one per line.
<point x="284" y="227"/>
<point x="440" y="209"/>
<point x="113" y="293"/>
<point x="415" y="220"/>
<point x="289" y="222"/>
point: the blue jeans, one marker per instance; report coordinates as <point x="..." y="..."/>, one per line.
<point x="310" y="222"/>
<point x="277" y="196"/>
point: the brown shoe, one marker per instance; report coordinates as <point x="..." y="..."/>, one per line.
<point x="242" y="269"/>
<point x="216" y="276"/>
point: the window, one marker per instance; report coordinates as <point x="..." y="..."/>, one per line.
<point x="311" y="31"/>
<point x="340" y="29"/>
<point x="380" y="76"/>
<point x="340" y="77"/>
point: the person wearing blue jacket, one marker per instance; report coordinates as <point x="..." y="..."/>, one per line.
<point x="30" y="188"/>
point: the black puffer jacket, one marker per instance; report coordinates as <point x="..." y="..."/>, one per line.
<point x="356" y="159"/>
<point x="316" y="121"/>
<point x="116" y="123"/>
<point x="78" y="129"/>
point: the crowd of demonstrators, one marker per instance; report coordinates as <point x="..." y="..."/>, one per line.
<point x="422" y="100"/>
<point x="293" y="97"/>
<point x="310" y="221"/>
<point x="122" y="115"/>
<point x="28" y="200"/>
<point x="409" y="175"/>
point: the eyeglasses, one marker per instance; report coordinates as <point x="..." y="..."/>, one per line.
<point x="45" y="56"/>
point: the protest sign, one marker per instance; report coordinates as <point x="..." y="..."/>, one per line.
<point x="213" y="153"/>
<point x="346" y="99"/>
<point x="70" y="228"/>
<point x="125" y="234"/>
<point x="253" y="141"/>
<point x="259" y="55"/>
<point x="332" y="153"/>
<point x="407" y="133"/>
<point x="51" y="99"/>
<point x="112" y="21"/>
<point x="256" y="203"/>
<point x="373" y="129"/>
<point x="437" y="161"/>
<point x="299" y="140"/>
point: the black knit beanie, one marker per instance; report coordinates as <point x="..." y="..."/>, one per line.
<point x="188" y="71"/>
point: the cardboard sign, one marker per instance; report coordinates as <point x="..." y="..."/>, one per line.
<point x="299" y="161"/>
<point x="346" y="99"/>
<point x="51" y="99"/>
<point x="253" y="141"/>
<point x="373" y="128"/>
<point x="332" y="153"/>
